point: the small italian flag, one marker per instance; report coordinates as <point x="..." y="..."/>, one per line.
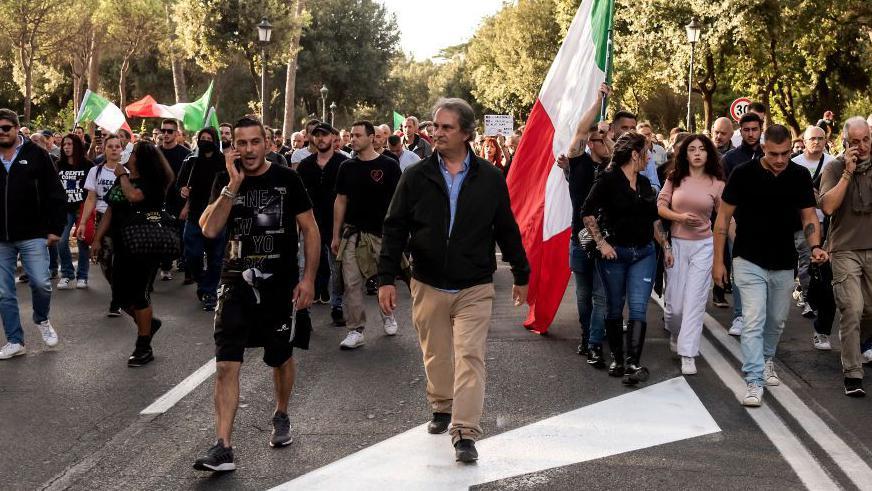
<point x="537" y="187"/>
<point x="399" y="119"/>
<point x="193" y="115"/>
<point x="102" y="112"/>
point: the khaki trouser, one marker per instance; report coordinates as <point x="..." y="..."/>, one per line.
<point x="452" y="329"/>
<point x="852" y="289"/>
<point x="355" y="284"/>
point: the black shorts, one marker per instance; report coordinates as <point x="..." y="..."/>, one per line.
<point x="241" y="322"/>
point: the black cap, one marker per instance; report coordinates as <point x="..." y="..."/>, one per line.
<point x="322" y="128"/>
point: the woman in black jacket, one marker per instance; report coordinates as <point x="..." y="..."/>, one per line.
<point x="621" y="214"/>
<point x="139" y="192"/>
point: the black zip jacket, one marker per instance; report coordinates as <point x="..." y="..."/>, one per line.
<point x="419" y="217"/>
<point x="33" y="203"/>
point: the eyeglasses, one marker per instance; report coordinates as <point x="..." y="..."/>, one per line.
<point x="816" y="138"/>
<point x="6" y="128"/>
<point x="168" y="131"/>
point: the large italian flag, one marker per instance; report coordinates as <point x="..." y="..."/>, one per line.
<point x="191" y="114"/>
<point x="102" y="112"/>
<point x="538" y="188"/>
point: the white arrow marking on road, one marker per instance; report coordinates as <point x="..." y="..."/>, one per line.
<point x="666" y="412"/>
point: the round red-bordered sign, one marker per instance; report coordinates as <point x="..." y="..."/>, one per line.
<point x="739" y="107"/>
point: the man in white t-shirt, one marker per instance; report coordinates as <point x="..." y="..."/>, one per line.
<point x="814" y="158"/>
<point x="301" y="153"/>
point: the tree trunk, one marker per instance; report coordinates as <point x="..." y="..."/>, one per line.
<point x="122" y="81"/>
<point x="27" y="66"/>
<point x="94" y="62"/>
<point x="179" y="84"/>
<point x="291" y="76"/>
<point x="707" y="110"/>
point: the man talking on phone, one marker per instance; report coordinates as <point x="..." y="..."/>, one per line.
<point x="451" y="209"/>
<point x="260" y="205"/>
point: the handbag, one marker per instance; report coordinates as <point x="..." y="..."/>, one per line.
<point x="90" y="224"/>
<point x="585" y="238"/>
<point x="152" y="234"/>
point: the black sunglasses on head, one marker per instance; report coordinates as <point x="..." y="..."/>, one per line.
<point x="6" y="128"/>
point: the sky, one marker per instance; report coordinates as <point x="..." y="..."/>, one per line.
<point x="428" y="26"/>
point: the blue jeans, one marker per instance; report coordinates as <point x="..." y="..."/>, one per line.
<point x="34" y="258"/>
<point x="330" y="274"/>
<point x="629" y="278"/>
<point x="737" y="296"/>
<point x="590" y="297"/>
<point x="195" y="246"/>
<point x="66" y="256"/>
<point x="767" y="302"/>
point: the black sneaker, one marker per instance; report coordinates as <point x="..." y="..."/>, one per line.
<point x="217" y="459"/>
<point x="439" y="423"/>
<point x="209" y="302"/>
<point x="114" y="311"/>
<point x="720" y="302"/>
<point x="281" y="433"/>
<point x="854" y="387"/>
<point x="464" y="451"/>
<point x="338" y="316"/>
<point x="141" y="356"/>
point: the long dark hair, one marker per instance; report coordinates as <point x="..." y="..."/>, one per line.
<point x="212" y="132"/>
<point x="78" y="157"/>
<point x="628" y="143"/>
<point x="712" y="167"/>
<point x="152" y="166"/>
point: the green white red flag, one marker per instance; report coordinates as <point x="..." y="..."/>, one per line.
<point x="193" y="115"/>
<point x="102" y="112"/>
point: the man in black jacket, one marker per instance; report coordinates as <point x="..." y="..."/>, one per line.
<point x="32" y="203"/>
<point x="751" y="129"/>
<point x="452" y="286"/>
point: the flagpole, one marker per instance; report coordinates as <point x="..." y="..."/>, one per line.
<point x="609" y="53"/>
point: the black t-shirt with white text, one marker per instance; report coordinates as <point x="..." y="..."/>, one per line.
<point x="766" y="209"/>
<point x="369" y="186"/>
<point x="262" y="227"/>
<point x="73" y="182"/>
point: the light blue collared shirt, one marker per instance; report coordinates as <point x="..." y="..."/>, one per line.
<point x="454" y="183"/>
<point x="651" y="172"/>
<point x="8" y="163"/>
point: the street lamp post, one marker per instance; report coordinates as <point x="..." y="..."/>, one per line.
<point x="264" y="33"/>
<point x="323" y="103"/>
<point x="332" y="112"/>
<point x="694" y="29"/>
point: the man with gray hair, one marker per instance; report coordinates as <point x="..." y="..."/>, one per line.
<point x="413" y="140"/>
<point x="722" y="133"/>
<point x="846" y="196"/>
<point x="452" y="285"/>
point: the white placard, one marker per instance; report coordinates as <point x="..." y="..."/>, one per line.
<point x="498" y="124"/>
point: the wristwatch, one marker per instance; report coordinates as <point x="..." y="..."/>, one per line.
<point x="227" y="193"/>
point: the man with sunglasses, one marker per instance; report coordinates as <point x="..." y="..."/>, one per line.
<point x="175" y="155"/>
<point x="581" y="168"/>
<point x="32" y="203"/>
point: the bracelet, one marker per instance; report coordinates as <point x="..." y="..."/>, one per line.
<point x="227" y="193"/>
<point x="847" y="175"/>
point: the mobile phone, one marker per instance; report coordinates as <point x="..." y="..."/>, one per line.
<point x="293" y="321"/>
<point x="98" y="133"/>
<point x="238" y="164"/>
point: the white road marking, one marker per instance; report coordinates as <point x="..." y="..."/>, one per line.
<point x="185" y="387"/>
<point x="851" y="464"/>
<point x="672" y="412"/>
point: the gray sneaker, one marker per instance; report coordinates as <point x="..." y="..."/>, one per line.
<point x="281" y="433"/>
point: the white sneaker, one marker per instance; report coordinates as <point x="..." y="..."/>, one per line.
<point x="82" y="284"/>
<point x="738" y="325"/>
<point x="64" y="284"/>
<point x="166" y="275"/>
<point x="352" y="341"/>
<point x="688" y="365"/>
<point x="753" y="396"/>
<point x="867" y="356"/>
<point x="822" y="342"/>
<point x="797" y="296"/>
<point x="391" y="325"/>
<point x="11" y="349"/>
<point x="769" y="374"/>
<point x="48" y="333"/>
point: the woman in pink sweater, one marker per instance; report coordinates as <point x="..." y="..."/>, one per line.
<point x="689" y="199"/>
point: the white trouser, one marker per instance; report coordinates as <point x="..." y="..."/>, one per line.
<point x="687" y="286"/>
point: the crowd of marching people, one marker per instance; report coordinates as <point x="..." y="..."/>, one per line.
<point x="264" y="226"/>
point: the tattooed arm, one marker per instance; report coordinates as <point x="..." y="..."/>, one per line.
<point x="811" y="230"/>
<point x="582" y="131"/>
<point x="607" y="251"/>
<point x="663" y="239"/>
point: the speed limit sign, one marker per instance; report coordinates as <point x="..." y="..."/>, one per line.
<point x="739" y="107"/>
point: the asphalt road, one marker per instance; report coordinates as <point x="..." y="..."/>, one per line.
<point x="71" y="414"/>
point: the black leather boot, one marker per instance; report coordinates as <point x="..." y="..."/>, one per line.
<point x="614" y="328"/>
<point x="634" y="372"/>
<point x="595" y="357"/>
<point x="583" y="349"/>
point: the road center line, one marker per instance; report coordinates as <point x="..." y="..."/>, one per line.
<point x="185" y="387"/>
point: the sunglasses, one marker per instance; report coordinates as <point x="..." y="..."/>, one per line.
<point x="168" y="131"/>
<point x="6" y="128"/>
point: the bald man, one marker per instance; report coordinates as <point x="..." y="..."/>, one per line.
<point x="380" y="141"/>
<point x="722" y="133"/>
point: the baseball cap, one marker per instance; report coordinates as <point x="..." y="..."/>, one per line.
<point x="322" y="128"/>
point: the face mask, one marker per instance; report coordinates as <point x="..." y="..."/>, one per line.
<point x="206" y="146"/>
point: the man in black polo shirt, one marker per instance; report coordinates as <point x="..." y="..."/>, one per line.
<point x="581" y="168"/>
<point x="765" y="195"/>
<point x="364" y="188"/>
<point x="319" y="172"/>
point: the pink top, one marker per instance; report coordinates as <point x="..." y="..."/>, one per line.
<point x="698" y="195"/>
